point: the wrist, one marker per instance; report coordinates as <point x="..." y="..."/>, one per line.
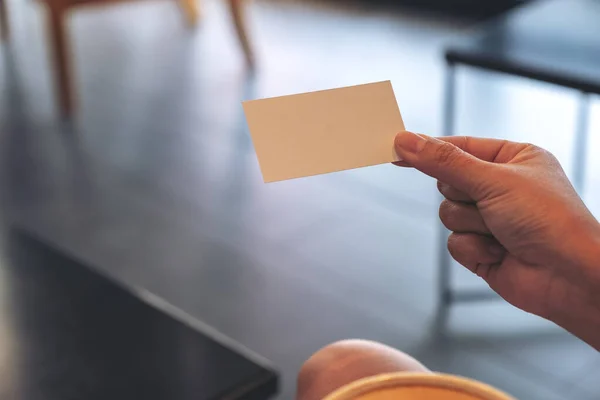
<point x="586" y="257"/>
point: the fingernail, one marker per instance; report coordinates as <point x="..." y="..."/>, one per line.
<point x="496" y="250"/>
<point x="409" y="142"/>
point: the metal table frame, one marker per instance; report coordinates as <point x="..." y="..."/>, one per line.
<point x="448" y="296"/>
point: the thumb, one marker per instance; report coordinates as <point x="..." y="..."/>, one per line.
<point x="444" y="162"/>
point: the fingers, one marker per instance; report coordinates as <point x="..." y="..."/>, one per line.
<point x="476" y="252"/>
<point x="490" y="150"/>
<point x="462" y="217"/>
<point x="445" y="162"/>
<point x="453" y="194"/>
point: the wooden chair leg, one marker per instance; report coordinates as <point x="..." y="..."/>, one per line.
<point x="191" y="11"/>
<point x="237" y="13"/>
<point x="60" y="52"/>
<point x="4" y="31"/>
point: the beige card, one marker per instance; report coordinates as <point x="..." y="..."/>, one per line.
<point x="330" y="130"/>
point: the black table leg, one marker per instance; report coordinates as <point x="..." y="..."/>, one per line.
<point x="444" y="277"/>
<point x="581" y="134"/>
<point x="449" y="100"/>
<point x="444" y="280"/>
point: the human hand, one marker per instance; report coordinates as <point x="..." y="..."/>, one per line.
<point x="517" y="222"/>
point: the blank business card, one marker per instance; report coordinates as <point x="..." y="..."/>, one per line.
<point x="319" y="132"/>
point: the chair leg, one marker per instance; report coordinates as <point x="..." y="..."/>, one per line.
<point x="191" y="10"/>
<point x="60" y="51"/>
<point x="237" y="13"/>
<point x="4" y="31"/>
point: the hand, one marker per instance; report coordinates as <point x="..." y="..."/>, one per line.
<point x="517" y="222"/>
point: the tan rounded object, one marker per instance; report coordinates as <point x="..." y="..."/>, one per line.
<point x="417" y="386"/>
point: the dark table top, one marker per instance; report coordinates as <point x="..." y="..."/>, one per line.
<point x="556" y="41"/>
<point x="68" y="332"/>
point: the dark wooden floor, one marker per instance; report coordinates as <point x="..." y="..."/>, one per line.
<point x="156" y="182"/>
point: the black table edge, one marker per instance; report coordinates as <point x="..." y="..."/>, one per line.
<point x="269" y="376"/>
<point x="260" y="387"/>
<point x="269" y="379"/>
<point x="455" y="56"/>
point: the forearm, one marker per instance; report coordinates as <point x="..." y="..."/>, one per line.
<point x="583" y="321"/>
<point x="579" y="310"/>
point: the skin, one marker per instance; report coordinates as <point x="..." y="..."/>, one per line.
<point x="346" y="361"/>
<point x="516" y="222"/>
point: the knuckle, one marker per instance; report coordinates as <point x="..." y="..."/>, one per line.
<point x="444" y="189"/>
<point x="541" y="152"/>
<point x="441" y="187"/>
<point x="458" y="247"/>
<point x="445" y="153"/>
<point x="549" y="156"/>
<point x="447" y="214"/>
<point x="533" y="148"/>
<point x="453" y="247"/>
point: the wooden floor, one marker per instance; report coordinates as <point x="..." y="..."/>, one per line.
<point x="157" y="183"/>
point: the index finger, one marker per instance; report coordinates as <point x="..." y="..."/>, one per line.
<point x="486" y="149"/>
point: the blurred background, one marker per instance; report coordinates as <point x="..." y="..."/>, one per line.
<point x="152" y="177"/>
